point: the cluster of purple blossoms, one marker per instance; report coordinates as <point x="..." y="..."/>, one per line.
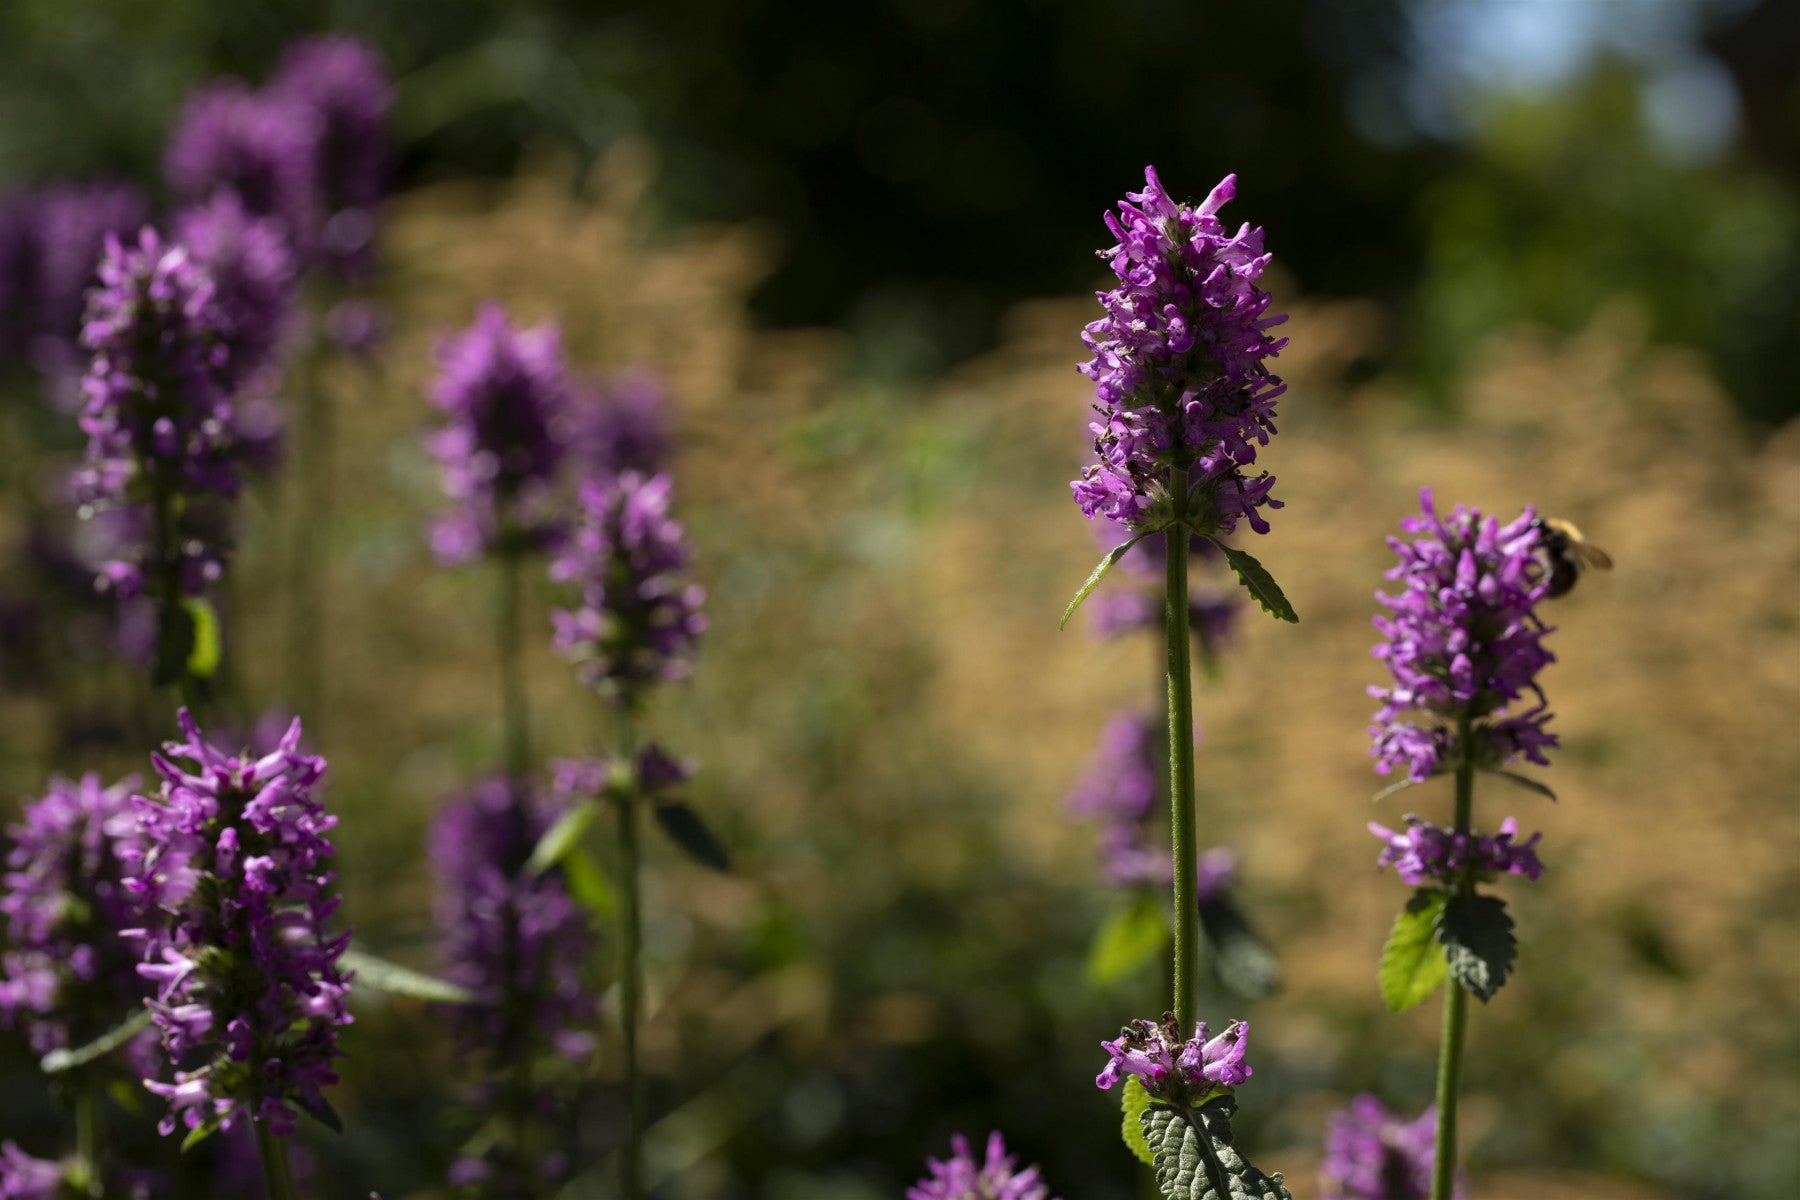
<point x="1120" y="789"/>
<point x="1372" y="1154"/>
<point x="1463" y="642"/>
<point x="234" y="872"/>
<point x="505" y="391"/>
<point x="68" y="975"/>
<point x="621" y="425"/>
<point x="1424" y="853"/>
<point x="23" y="1177"/>
<point x="1173" y="1070"/>
<point x="50" y="241"/>
<point x="253" y="274"/>
<point x="1178" y="367"/>
<point x="638" y="621"/>
<point x="965" y="1177"/>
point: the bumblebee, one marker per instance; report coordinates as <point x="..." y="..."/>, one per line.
<point x="1566" y="554"/>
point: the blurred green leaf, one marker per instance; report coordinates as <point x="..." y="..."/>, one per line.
<point x="1411" y="965"/>
<point x="687" y="830"/>
<point x="1131" y="937"/>
<point x="58" y="1061"/>
<point x="396" y="980"/>
<point x="1478" y="941"/>
<point x="203" y="658"/>
<point x="562" y="837"/>
<point x="1100" y="572"/>
<point x="587" y="882"/>
<point x="1195" y="1160"/>
<point x="1243" y="962"/>
<point x="1135" y="1101"/>
<point x="1524" y="781"/>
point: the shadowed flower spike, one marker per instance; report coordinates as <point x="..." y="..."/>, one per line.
<point x="504" y="390"/>
<point x="638" y="622"/>
<point x="965" y="1177"/>
<point x="622" y="425"/>
<point x="1372" y="1154"/>
<point x="50" y="244"/>
<point x="253" y="274"/>
<point x="1173" y="1070"/>
<point x="1424" y="853"/>
<point x="249" y="995"/>
<point x="1463" y="640"/>
<point x="343" y="83"/>
<point x="68" y="975"/>
<point x="256" y="145"/>
<point x="1179" y="370"/>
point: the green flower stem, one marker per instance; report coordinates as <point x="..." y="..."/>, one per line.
<point x="90" y="1135"/>
<point x="1456" y="1000"/>
<point x="1181" y="757"/>
<point x="277" y="1175"/>
<point x="514" y="715"/>
<point x="309" y="519"/>
<point x="631" y="970"/>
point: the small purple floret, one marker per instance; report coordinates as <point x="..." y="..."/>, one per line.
<point x="964" y="1177"/>
<point x="1181" y="1072"/>
<point x="1425" y="853"/>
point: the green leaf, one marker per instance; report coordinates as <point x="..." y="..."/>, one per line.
<point x="203" y="658"/>
<point x="174" y="645"/>
<point x="561" y="837"/>
<point x="396" y="980"/>
<point x="1411" y="966"/>
<point x="1524" y="781"/>
<point x="1131" y="937"/>
<point x="1241" y="959"/>
<point x="1100" y="572"/>
<point x="1478" y="942"/>
<point x="58" y="1061"/>
<point x="586" y="880"/>
<point x="1135" y="1100"/>
<point x="321" y="1111"/>
<point x="1195" y="1160"/>
<point x="1258" y="582"/>
<point x="1391" y="789"/>
<point x="687" y="830"/>
<point x="198" y="1134"/>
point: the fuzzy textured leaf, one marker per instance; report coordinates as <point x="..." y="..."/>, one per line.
<point x="396" y="980"/>
<point x="1241" y="959"/>
<point x="1130" y="938"/>
<point x="687" y="830"/>
<point x="1411" y="965"/>
<point x="1135" y="1101"/>
<point x="1258" y="582"/>
<point x="1194" y="1157"/>
<point x="1100" y="572"/>
<point x="1478" y="942"/>
<point x="58" y="1061"/>
<point x="562" y="836"/>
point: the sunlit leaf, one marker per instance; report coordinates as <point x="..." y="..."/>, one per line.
<point x="1135" y="1100"/>
<point x="1100" y="572"/>
<point x="1258" y="582"/>
<point x="203" y="657"/>
<point x="1195" y="1160"/>
<point x="1131" y="937"/>
<point x="1412" y="966"/>
<point x="561" y="837"/>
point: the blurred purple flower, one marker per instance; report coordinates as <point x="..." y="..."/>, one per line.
<point x="23" y="1177"/>
<point x="73" y="222"/>
<point x="258" y="145"/>
<point x="637" y="622"/>
<point x="1424" y="853"/>
<point x="965" y="1177"/>
<point x="504" y="390"/>
<point x="1372" y="1154"/>
<point x="1464" y="641"/>
<point x="359" y="326"/>
<point x="68" y="974"/>
<point x="249" y="993"/>
<point x="1119" y="788"/>
<point x="253" y="275"/>
<point x="1178" y="366"/>
<point x="621" y="425"/>
<point x="1171" y="1069"/>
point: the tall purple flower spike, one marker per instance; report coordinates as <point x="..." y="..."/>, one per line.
<point x="1173" y="1070"/>
<point x="1373" y="1154"/>
<point x="253" y="274"/>
<point x="242" y="950"/>
<point x="1179" y="367"/>
<point x="258" y="146"/>
<point x="965" y="1177"/>
<point x="1463" y="640"/>
<point x="1425" y="853"/>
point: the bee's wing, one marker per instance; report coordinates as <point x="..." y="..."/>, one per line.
<point x="1591" y="555"/>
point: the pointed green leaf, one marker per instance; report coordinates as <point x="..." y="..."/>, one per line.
<point x="1258" y="582"/>
<point x="1524" y="781"/>
<point x="203" y="658"/>
<point x="321" y="1111"/>
<point x="1391" y="789"/>
<point x="1478" y="942"/>
<point x="198" y="1134"/>
<point x="1195" y="1160"/>
<point x="1411" y="965"/>
<point x="1135" y="1100"/>
<point x="1241" y="959"/>
<point x="586" y="880"/>
<point x="1131" y="937"/>
<point x="396" y="980"/>
<point x="687" y="830"/>
<point x="1100" y="572"/>
<point x="561" y="837"/>
<point x="58" y="1061"/>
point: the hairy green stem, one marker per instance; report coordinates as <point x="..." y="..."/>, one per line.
<point x="1181" y="757"/>
<point x="631" y="977"/>
<point x="514" y="715"/>
<point x="277" y="1175"/>
<point x="89" y="1135"/>
<point x="1456" y="999"/>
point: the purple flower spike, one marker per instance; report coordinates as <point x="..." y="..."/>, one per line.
<point x="68" y="974"/>
<point x="343" y="83"/>
<point x="257" y="145"/>
<point x="1463" y="641"/>
<point x="249" y="995"/>
<point x="505" y="391"/>
<point x="965" y="1177"/>
<point x="637" y="623"/>
<point x="1179" y="371"/>
<point x="1425" y="853"/>
<point x="1173" y="1070"/>
<point x="622" y="425"/>
<point x="253" y="274"/>
<point x="1372" y="1154"/>
<point x="50" y="244"/>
